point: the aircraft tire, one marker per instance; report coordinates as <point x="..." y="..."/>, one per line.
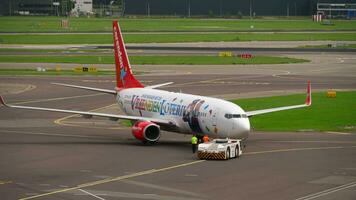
<point x="236" y="151"/>
<point x="227" y="153"/>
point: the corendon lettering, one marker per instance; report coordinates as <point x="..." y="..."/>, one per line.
<point x="118" y="48"/>
<point x="156" y="104"/>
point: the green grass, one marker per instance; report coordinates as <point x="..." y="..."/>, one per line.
<point x="153" y="60"/>
<point x="125" y="123"/>
<point x="51" y="72"/>
<point x="52" y="24"/>
<point x="326" y="114"/>
<point x="166" y="38"/>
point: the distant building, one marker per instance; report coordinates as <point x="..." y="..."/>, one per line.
<point x="35" y="7"/>
<point x="221" y="8"/>
<point x="83" y="7"/>
<point x="186" y="8"/>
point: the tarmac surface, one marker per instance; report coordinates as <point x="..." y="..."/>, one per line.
<point x="47" y="155"/>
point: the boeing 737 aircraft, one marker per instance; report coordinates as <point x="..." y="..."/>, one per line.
<point x="153" y="110"/>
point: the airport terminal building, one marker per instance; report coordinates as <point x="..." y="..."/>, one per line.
<point x="179" y="8"/>
<point x="226" y="8"/>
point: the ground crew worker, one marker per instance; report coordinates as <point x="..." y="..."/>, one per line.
<point x="194" y="143"/>
<point x="206" y="139"/>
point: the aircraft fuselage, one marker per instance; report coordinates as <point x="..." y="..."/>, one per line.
<point x="191" y="113"/>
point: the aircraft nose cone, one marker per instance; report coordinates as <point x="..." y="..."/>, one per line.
<point x="244" y="126"/>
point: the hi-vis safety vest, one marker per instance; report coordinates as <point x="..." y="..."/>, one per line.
<point x="194" y="140"/>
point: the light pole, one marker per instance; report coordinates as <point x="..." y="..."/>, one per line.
<point x="295" y="8"/>
<point x="56" y="5"/>
<point x="189" y="8"/>
<point x="250" y="9"/>
<point x="288" y="9"/>
<point x="10" y="7"/>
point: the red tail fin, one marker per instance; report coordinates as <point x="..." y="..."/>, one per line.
<point x="124" y="76"/>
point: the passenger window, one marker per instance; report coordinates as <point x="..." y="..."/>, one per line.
<point x="228" y="116"/>
<point x="236" y="116"/>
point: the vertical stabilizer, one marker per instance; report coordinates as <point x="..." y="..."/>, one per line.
<point x="124" y="76"/>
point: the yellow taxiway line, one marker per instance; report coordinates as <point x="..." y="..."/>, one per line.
<point x="153" y="171"/>
<point x="60" y="120"/>
<point x="54" y="99"/>
<point x="298" y="149"/>
<point x="328" y="191"/>
<point x="147" y="172"/>
<point x="4" y="182"/>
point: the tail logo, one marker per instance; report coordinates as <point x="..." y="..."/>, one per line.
<point x="122" y="74"/>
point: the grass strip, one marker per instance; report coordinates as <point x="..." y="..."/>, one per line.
<point x="52" y="24"/>
<point x="152" y="60"/>
<point x="326" y="114"/>
<point x="174" y="38"/>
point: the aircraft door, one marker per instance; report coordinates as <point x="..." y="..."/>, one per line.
<point x="215" y="121"/>
<point x="231" y="128"/>
<point x="215" y="117"/>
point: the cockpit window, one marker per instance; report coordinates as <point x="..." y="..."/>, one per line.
<point x="221" y="141"/>
<point x="229" y="116"/>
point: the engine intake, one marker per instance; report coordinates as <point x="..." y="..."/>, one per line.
<point x="146" y="131"/>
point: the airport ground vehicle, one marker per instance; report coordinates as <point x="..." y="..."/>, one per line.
<point x="220" y="149"/>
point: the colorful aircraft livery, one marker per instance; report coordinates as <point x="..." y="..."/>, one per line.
<point x="153" y="110"/>
<point x="158" y="105"/>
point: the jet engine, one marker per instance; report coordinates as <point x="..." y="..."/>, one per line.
<point x="146" y="131"/>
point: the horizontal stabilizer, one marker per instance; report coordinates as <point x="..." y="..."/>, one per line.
<point x="158" y="85"/>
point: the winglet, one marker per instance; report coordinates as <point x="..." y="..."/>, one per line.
<point x="2" y="101"/>
<point x="308" y="100"/>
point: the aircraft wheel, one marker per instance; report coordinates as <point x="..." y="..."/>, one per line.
<point x="237" y="150"/>
<point x="227" y="154"/>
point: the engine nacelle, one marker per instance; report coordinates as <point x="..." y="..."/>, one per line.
<point x="146" y="131"/>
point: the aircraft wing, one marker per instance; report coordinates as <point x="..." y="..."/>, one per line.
<point x="308" y="102"/>
<point x="87" y="88"/>
<point x="106" y="90"/>
<point x="90" y="114"/>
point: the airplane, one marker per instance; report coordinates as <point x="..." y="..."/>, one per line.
<point x="152" y="110"/>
